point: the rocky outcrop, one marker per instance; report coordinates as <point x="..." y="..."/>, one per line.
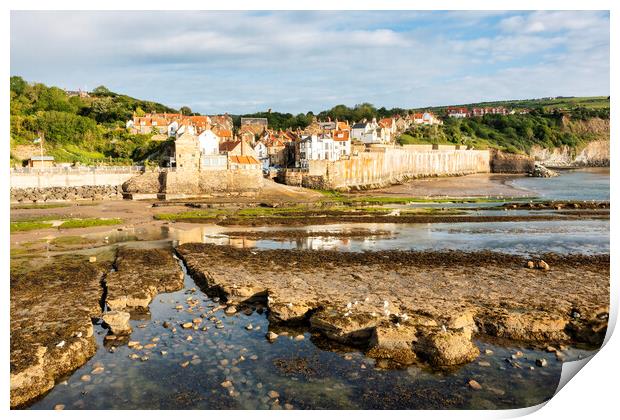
<point x="51" y="327"/>
<point x="510" y="163"/>
<point x="403" y="306"/>
<point x="89" y="192"/>
<point x="542" y="172"/>
<point x="140" y="275"/>
<point x="146" y="183"/>
<point x="595" y="153"/>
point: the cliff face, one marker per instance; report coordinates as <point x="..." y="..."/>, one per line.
<point x="595" y="153"/>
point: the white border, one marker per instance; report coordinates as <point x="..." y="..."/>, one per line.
<point x="591" y="395"/>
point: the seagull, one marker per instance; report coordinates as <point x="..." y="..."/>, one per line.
<point x="443" y="328"/>
<point x="61" y="344"/>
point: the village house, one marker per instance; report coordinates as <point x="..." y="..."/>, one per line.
<point x="389" y="125"/>
<point x="262" y="154"/>
<point x="237" y="148"/>
<point x="480" y="112"/>
<point x="342" y="144"/>
<point x="255" y="125"/>
<point x="314" y="147"/>
<point x="457" y="112"/>
<point x="402" y="124"/>
<point x="425" y="118"/>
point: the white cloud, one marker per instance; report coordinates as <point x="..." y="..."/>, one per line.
<point x="299" y="61"/>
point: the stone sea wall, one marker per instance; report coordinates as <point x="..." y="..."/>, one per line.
<point x="217" y="183"/>
<point x="50" y="194"/>
<point x="389" y="166"/>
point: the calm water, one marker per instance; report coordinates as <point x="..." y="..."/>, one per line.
<point x="579" y="184"/>
<point x="525" y="238"/>
<point x="306" y="374"/>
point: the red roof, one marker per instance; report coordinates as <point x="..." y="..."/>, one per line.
<point x="341" y="135"/>
<point x="244" y="160"/>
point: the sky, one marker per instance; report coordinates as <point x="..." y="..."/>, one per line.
<point x="243" y="62"/>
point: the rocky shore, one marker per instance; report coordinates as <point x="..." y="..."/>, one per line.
<point x="53" y="308"/>
<point x="406" y="306"/>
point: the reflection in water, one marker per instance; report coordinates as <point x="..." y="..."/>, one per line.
<point x="531" y="237"/>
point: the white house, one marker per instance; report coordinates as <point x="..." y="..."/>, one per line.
<point x="342" y="144"/>
<point x="209" y="143"/>
<point x="262" y="153"/>
<point x="366" y="132"/>
<point x="315" y="147"/>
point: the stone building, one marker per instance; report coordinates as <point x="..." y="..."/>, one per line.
<point x="187" y="152"/>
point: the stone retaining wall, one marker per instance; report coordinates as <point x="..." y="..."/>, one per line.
<point x="89" y="192"/>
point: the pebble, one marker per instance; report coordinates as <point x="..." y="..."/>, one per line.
<point x="224" y="362"/>
<point x="134" y="356"/>
<point x="144" y="358"/>
<point x="230" y="310"/>
<point x="249" y="327"/>
<point x="197" y="320"/>
<point x="551" y="349"/>
<point x="299" y="337"/>
<point x="273" y="394"/>
<point x="253" y="357"/>
<point x="517" y="355"/>
<point x="155" y="339"/>
<point x="132" y="344"/>
<point x="271" y="336"/>
<point x="227" y="384"/>
<point x="484" y="364"/>
<point x="166" y="324"/>
<point x="184" y="364"/>
<point x="474" y="384"/>
<point x="85" y="378"/>
<point x="196" y="361"/>
<point x="488" y="351"/>
<point x="541" y="362"/>
<point x="59" y="407"/>
<point x="164" y="352"/>
<point x="98" y="370"/>
<point x="259" y="385"/>
<point x="288" y="406"/>
<point x="187" y="325"/>
<point x="189" y="338"/>
<point x="150" y="346"/>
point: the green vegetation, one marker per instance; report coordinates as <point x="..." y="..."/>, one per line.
<point x="82" y="223"/>
<point x="39" y="206"/>
<point x="87" y="130"/>
<point x="510" y="133"/>
<point x="24" y="226"/>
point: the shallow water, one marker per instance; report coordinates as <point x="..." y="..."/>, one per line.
<point x="576" y="184"/>
<point x="306" y="374"/>
<point x="524" y="238"/>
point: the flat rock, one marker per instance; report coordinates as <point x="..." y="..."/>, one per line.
<point x="141" y="274"/>
<point x="118" y="322"/>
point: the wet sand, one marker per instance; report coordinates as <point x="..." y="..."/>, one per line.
<point x="475" y="185"/>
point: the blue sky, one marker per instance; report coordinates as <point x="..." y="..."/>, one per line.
<point x="241" y="62"/>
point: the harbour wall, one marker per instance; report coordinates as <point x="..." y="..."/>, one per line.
<point x="381" y="167"/>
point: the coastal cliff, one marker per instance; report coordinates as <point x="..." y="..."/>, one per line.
<point x="594" y="152"/>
